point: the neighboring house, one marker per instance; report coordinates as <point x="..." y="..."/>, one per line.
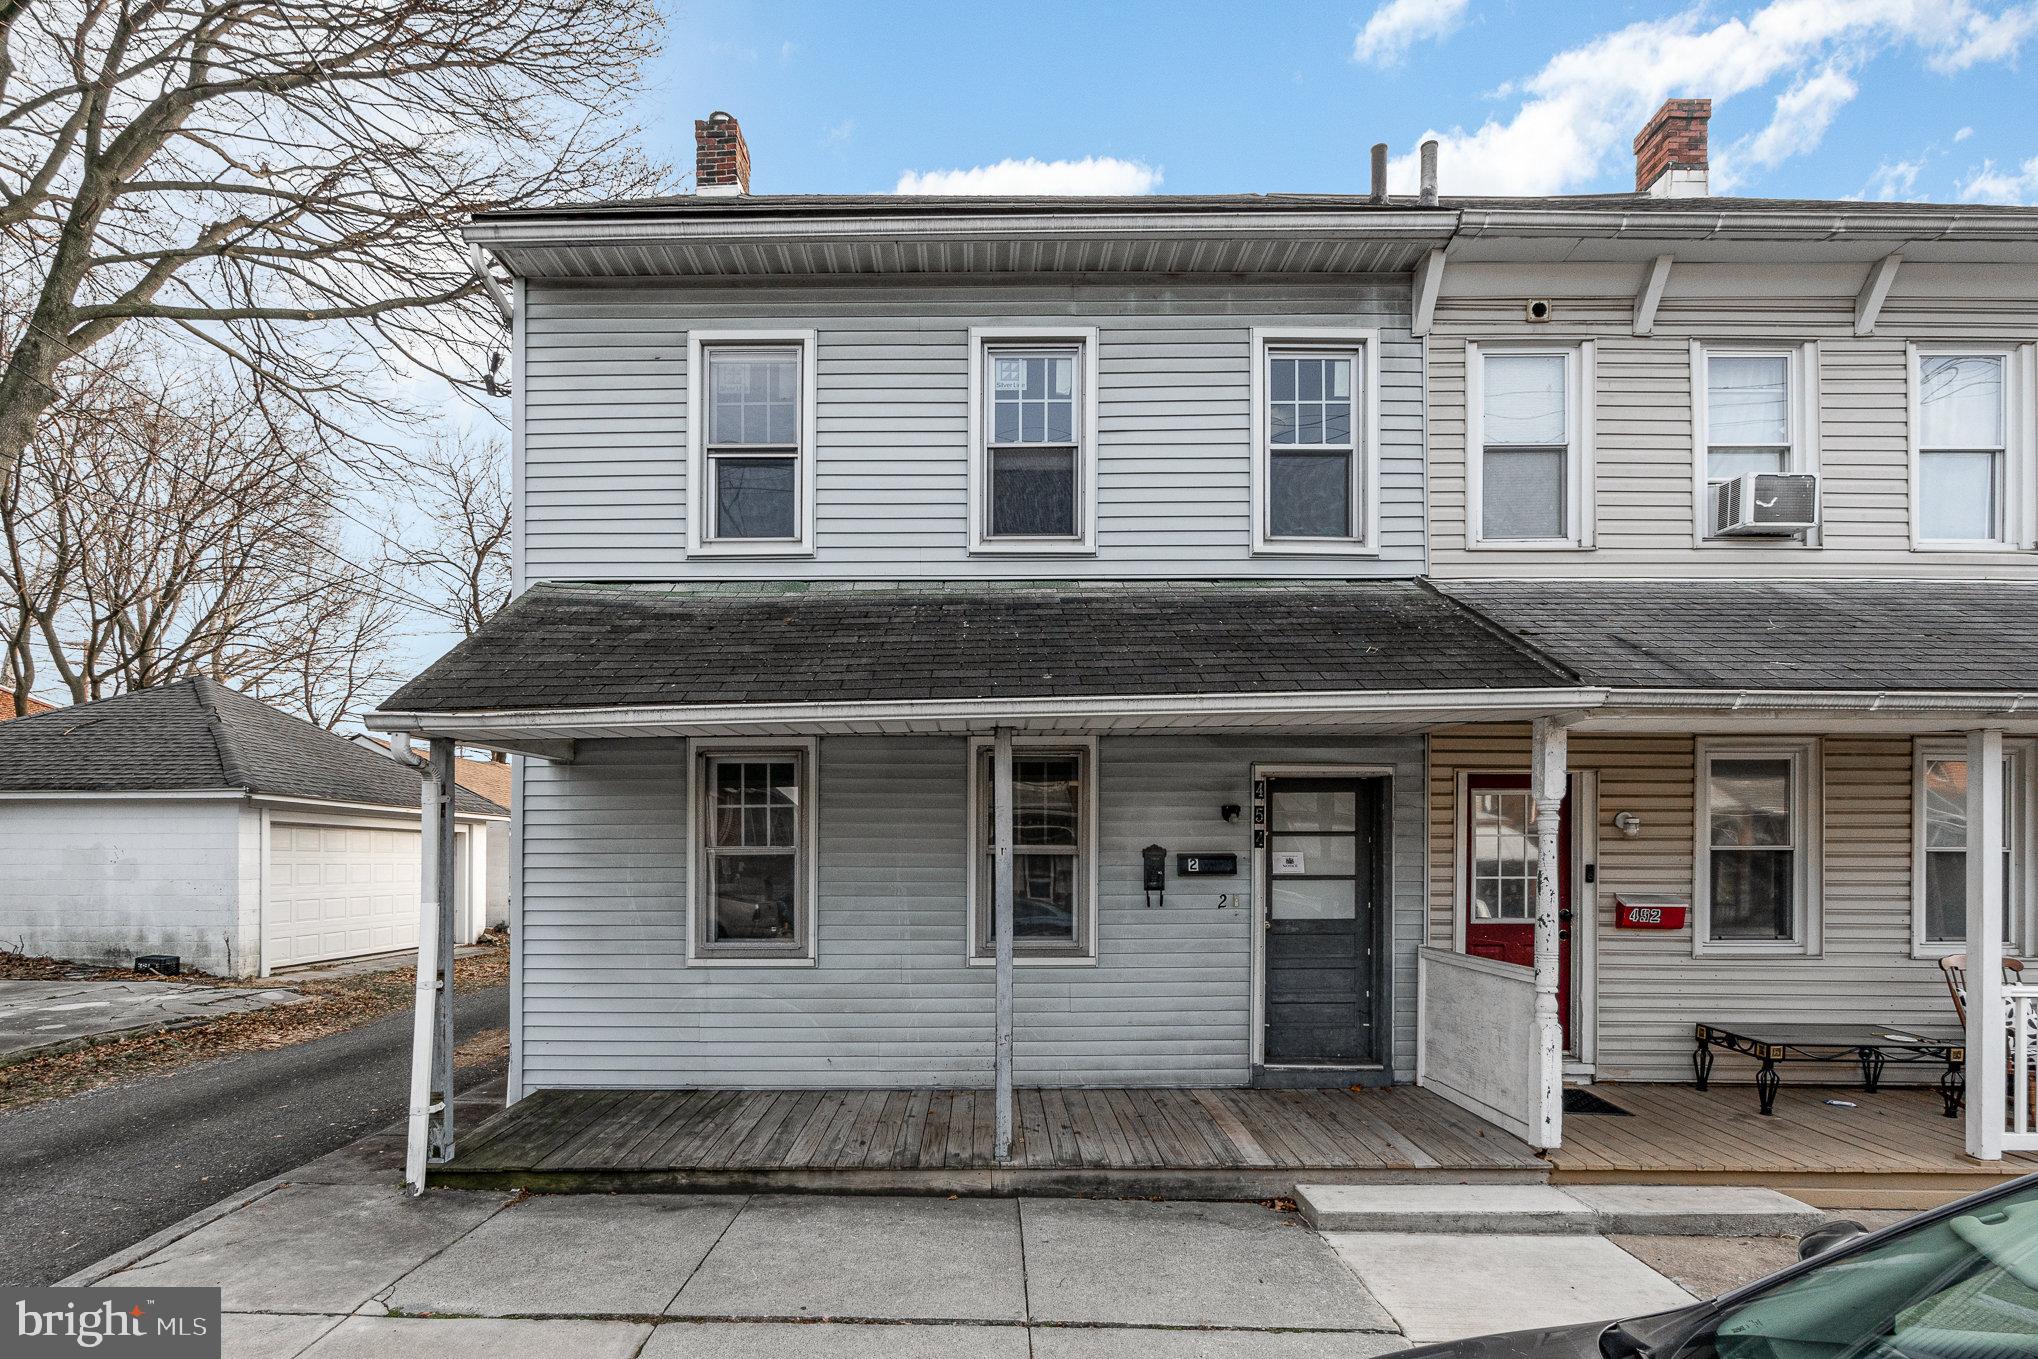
<point x="35" y="706"/>
<point x="192" y="820"/>
<point x="830" y="509"/>
<point x="488" y="778"/>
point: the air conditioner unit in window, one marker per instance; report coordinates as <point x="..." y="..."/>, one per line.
<point x="1765" y="505"/>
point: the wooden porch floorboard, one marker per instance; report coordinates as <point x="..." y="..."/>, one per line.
<point x="1262" y="1141"/>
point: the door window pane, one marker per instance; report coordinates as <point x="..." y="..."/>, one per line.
<point x="1505" y="855"/>
<point x="1748" y="399"/>
<point x="1309" y="899"/>
<point x="755" y="497"/>
<point x="1961" y="401"/>
<point x="1310" y="495"/>
<point x="1311" y="810"/>
<point x="753" y="398"/>
<point x="1957" y="496"/>
<point x="1525" y="399"/>
<point x="1033" y="493"/>
<point x="1522" y="493"/>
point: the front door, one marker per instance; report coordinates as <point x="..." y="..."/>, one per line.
<point x="1500" y="879"/>
<point x="1322" y="910"/>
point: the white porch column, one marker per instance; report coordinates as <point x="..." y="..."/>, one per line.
<point x="1986" y="1032"/>
<point x="1549" y="758"/>
<point x="1001" y="930"/>
<point x="431" y="1050"/>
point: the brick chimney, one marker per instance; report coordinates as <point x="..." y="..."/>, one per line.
<point x="721" y="158"/>
<point x="1670" y="156"/>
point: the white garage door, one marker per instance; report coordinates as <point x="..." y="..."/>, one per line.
<point x="338" y="891"/>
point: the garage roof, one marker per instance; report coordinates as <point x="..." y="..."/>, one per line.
<point x="198" y="735"/>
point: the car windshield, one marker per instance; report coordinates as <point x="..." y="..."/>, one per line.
<point x="1963" y="1287"/>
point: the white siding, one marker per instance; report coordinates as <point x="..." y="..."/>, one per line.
<point x="603" y="410"/>
<point x="1643" y="409"/>
<point x="1651" y="989"/>
<point x="608" y="1000"/>
<point x="105" y="879"/>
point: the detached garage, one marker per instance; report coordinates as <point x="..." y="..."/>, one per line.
<point x="192" y="820"/>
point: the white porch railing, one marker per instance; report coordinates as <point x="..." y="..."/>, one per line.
<point x="1476" y="1041"/>
<point x="2022" y="1131"/>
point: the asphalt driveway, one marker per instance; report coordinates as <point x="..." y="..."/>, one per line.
<point x="83" y="1176"/>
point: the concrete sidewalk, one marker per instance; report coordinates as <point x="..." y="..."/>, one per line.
<point x="42" y="1017"/>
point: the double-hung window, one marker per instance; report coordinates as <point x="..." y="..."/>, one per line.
<point x="1940" y="871"/>
<point x="1314" y="470"/>
<point x="1963" y="439"/>
<point x="752" y="854"/>
<point x="1033" y="425"/>
<point x="1530" y="469"/>
<point x="1758" y="848"/>
<point x="750" y="427"/>
<point x="1053" y="851"/>
<point x="1751" y="411"/>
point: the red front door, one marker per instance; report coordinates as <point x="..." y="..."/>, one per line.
<point x="1500" y="856"/>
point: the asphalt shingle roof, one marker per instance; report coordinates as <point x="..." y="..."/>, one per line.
<point x="560" y="647"/>
<point x="1743" y="634"/>
<point x="196" y="734"/>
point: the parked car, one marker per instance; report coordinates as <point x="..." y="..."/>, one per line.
<point x="1957" y="1283"/>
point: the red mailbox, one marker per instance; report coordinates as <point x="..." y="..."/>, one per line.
<point x="1650" y="912"/>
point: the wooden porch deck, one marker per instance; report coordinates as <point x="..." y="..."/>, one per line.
<point x="1190" y="1143"/>
<point x="1893" y="1149"/>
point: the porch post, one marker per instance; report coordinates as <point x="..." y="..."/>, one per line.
<point x="1987" y="1056"/>
<point x="431" y="1050"/>
<point x="1549" y="757"/>
<point x="1001" y="929"/>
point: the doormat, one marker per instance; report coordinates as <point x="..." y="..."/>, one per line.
<point x="1585" y="1102"/>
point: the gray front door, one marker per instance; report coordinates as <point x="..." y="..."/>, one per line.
<point x="1322" y="917"/>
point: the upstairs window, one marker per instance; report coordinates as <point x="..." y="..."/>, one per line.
<point x="749" y="423"/>
<point x="1753" y="413"/>
<point x="1313" y="464"/>
<point x="1963" y="443"/>
<point x="1529" y="474"/>
<point x="1033" y="485"/>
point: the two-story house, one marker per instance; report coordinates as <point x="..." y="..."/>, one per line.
<point x="1070" y="645"/>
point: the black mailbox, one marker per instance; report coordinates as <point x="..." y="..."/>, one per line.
<point x="1207" y="865"/>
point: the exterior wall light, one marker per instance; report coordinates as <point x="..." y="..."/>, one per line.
<point x="1628" y="824"/>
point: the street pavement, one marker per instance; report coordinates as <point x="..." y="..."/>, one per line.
<point x="38" y="1017"/>
<point x="84" y="1176"/>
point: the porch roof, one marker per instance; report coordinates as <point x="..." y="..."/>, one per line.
<point x="577" y="661"/>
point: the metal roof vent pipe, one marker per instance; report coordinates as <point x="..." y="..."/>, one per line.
<point x="1428" y="196"/>
<point x="1379" y="172"/>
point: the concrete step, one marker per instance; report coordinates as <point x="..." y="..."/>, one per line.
<point x="1541" y="1209"/>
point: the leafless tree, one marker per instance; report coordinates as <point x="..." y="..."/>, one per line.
<point x="281" y="181"/>
<point x="462" y="487"/>
<point x="156" y="531"/>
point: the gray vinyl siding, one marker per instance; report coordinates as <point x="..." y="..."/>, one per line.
<point x="1651" y="989"/>
<point x="1643" y="417"/>
<point x="608" y="999"/>
<point x="604" y="432"/>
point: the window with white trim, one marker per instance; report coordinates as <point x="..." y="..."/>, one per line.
<point x="1939" y="895"/>
<point x="1528" y="440"/>
<point x="1963" y="445"/>
<point x="1315" y="475"/>
<point x="749" y="426"/>
<point x="1053" y="852"/>
<point x="1758" y="827"/>
<point x="1033" y="429"/>
<point x="753" y="851"/>
<point x="1752" y="415"/>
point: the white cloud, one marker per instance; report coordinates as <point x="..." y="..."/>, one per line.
<point x="1893" y="179"/>
<point x="1399" y="24"/>
<point x="841" y="132"/>
<point x="1090" y="175"/>
<point x="1585" y="105"/>
<point x="1803" y="113"/>
<point x="1990" y="185"/>
<point x="1963" y="134"/>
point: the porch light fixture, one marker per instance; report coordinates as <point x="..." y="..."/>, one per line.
<point x="1628" y="824"/>
<point x="1229" y="811"/>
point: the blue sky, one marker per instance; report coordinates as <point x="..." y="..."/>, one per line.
<point x="1820" y="98"/>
